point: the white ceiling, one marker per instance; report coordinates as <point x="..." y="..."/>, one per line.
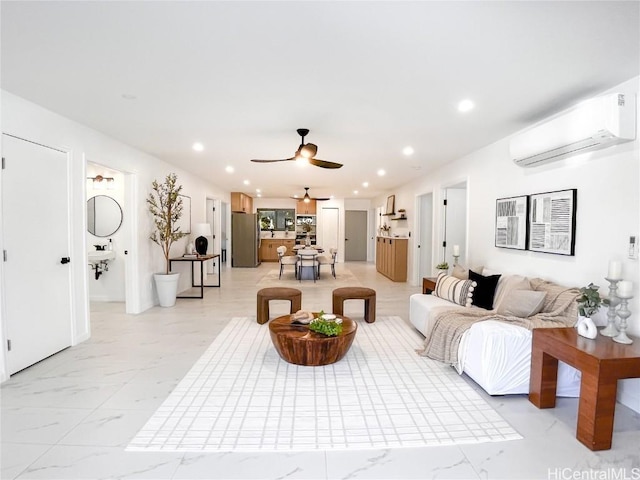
<point x="367" y="78"/>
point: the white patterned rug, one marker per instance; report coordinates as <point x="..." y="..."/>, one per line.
<point x="241" y="396"/>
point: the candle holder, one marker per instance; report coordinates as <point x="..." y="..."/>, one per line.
<point x="610" y="330"/>
<point x="455" y="259"/>
<point x="623" y="313"/>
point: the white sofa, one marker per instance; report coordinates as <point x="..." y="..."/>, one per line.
<point x="496" y="355"/>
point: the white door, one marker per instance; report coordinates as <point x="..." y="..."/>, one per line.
<point x="330" y="227"/>
<point x="35" y="229"/>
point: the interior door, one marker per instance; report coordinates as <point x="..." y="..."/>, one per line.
<point x="330" y="222"/>
<point x="35" y="229"/>
<point x="355" y="233"/>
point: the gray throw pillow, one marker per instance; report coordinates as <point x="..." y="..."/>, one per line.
<point x="522" y="303"/>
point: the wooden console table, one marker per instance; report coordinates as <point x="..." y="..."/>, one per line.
<point x="601" y="361"/>
<point x="201" y="259"/>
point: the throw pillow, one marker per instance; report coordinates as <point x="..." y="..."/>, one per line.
<point x="463" y="273"/>
<point x="485" y="289"/>
<point x="453" y="289"/>
<point x="522" y="303"/>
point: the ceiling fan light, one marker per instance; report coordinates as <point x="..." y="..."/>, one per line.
<point x="307" y="199"/>
<point x="308" y="150"/>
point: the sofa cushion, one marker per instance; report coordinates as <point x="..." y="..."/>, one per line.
<point x="455" y="290"/>
<point x="522" y="303"/>
<point x="485" y="289"/>
<point x="463" y="273"/>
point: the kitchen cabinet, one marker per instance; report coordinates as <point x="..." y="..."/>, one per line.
<point x="269" y="248"/>
<point x="241" y="203"/>
<point x="303" y="208"/>
<point x="391" y="258"/>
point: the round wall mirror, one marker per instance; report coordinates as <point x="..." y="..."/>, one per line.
<point x="104" y="216"/>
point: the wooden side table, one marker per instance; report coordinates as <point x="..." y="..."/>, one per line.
<point x="428" y="284"/>
<point x="601" y="361"/>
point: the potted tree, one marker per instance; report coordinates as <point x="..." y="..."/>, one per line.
<point x="165" y="206"/>
<point x="589" y="302"/>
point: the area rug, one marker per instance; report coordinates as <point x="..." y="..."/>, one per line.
<point x="344" y="278"/>
<point x="241" y="396"/>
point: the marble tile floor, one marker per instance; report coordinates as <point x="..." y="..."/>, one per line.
<point x="72" y="415"/>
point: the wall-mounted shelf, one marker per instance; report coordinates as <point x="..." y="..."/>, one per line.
<point x="399" y="218"/>
<point x="388" y="214"/>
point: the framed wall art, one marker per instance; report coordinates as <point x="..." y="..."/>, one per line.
<point x="391" y="205"/>
<point x="552" y="222"/>
<point x="511" y="222"/>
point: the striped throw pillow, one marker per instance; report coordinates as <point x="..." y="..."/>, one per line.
<point x="455" y="290"/>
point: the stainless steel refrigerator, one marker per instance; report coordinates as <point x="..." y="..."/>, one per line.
<point x="245" y="240"/>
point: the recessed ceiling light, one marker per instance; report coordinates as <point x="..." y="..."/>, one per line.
<point x="295" y="195"/>
<point x="381" y="173"/>
<point x="246" y="182"/>
<point x="129" y="96"/>
<point x="198" y="147"/>
<point x="258" y="190"/>
<point x="465" y="105"/>
<point x="332" y="196"/>
<point x="355" y="192"/>
<point x="365" y="184"/>
<point x="228" y="169"/>
<point x="259" y="195"/>
<point x="407" y="151"/>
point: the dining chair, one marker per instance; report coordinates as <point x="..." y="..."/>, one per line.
<point x="286" y="260"/>
<point x="308" y="258"/>
<point x="324" y="260"/>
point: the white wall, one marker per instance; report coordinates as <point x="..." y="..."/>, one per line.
<point x="608" y="183"/>
<point x="32" y="122"/>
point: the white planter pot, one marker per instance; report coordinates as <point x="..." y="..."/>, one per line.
<point x="167" y="288"/>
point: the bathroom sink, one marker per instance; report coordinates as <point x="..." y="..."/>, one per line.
<point x="96" y="256"/>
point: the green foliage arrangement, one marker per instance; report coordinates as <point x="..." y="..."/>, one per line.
<point x="165" y="205"/>
<point x="330" y="328"/>
<point x="589" y="301"/>
<point x="442" y="266"/>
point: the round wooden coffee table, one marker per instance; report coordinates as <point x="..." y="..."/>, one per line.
<point x="301" y="346"/>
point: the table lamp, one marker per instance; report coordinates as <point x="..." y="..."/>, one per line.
<point x="201" y="231"/>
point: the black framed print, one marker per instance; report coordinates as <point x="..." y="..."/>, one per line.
<point x="511" y="222"/>
<point x="552" y="222"/>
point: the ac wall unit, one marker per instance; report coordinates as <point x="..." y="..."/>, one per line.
<point x="591" y="125"/>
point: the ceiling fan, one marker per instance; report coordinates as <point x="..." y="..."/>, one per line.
<point x="307" y="198"/>
<point x="305" y="151"/>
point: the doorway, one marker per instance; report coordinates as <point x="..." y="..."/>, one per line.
<point x="355" y="235"/>
<point x="38" y="319"/>
<point x="455" y="222"/>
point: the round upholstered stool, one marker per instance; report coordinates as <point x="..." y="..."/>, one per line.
<point x="277" y="293"/>
<point x="356" y="293"/>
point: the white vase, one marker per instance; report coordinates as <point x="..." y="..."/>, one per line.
<point x="586" y="327"/>
<point x="167" y="288"/>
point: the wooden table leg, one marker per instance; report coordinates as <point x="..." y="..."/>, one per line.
<point x="596" y="410"/>
<point x="544" y="378"/>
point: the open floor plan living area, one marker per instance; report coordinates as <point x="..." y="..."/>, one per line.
<point x="320" y="240"/>
<point x="76" y="415"/>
